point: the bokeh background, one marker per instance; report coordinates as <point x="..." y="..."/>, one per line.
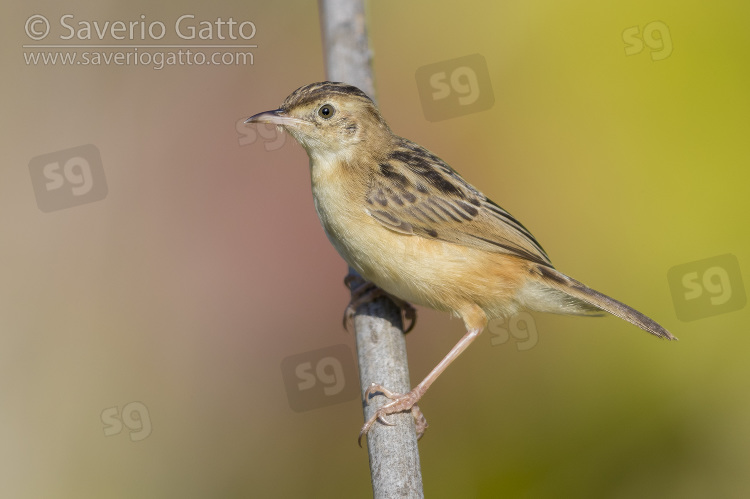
<point x="143" y="336"/>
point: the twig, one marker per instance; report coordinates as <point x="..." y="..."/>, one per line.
<point x="381" y="348"/>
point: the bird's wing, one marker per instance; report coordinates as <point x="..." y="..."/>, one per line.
<point x="416" y="193"/>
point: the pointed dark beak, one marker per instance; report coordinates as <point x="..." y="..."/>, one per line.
<point x="275" y="117"/>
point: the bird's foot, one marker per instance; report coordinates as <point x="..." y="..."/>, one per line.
<point x="399" y="403"/>
<point x="365" y="292"/>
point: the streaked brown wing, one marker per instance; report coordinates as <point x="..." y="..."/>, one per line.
<point x="417" y="193"/>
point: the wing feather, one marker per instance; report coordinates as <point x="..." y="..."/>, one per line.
<point x="416" y="193"/>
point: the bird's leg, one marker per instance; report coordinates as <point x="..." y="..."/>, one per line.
<point x="408" y="401"/>
<point x="365" y="292"/>
<point x="420" y="421"/>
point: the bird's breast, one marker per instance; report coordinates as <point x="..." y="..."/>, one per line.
<point x="423" y="271"/>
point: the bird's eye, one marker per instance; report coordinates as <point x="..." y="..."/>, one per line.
<point x="326" y="111"/>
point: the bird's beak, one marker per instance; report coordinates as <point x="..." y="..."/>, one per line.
<point x="275" y="117"/>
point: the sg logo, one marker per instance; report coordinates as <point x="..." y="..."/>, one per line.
<point x="320" y="378"/>
<point x="134" y="415"/>
<point x="707" y="287"/>
<point x="272" y="137"/>
<point x="454" y="88"/>
<point x="655" y="35"/>
<point x="521" y="327"/>
<point x="68" y="178"/>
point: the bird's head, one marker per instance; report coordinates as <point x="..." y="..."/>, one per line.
<point x="329" y="118"/>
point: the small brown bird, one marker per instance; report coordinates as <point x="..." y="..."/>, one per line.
<point x="407" y="222"/>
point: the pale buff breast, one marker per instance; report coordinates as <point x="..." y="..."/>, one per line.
<point x="427" y="272"/>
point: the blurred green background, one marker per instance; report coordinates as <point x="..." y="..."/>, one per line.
<point x="182" y="291"/>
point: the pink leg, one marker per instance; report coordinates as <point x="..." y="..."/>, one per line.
<point x="408" y="401"/>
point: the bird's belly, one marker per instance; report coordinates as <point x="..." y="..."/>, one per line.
<point x="386" y="258"/>
<point x="428" y="272"/>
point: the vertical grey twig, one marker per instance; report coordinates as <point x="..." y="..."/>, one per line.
<point x="381" y="348"/>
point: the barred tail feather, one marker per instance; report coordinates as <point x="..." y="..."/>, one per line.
<point x="560" y="282"/>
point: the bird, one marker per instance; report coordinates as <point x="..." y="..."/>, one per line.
<point x="411" y="225"/>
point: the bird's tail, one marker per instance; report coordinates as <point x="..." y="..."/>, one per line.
<point x="593" y="300"/>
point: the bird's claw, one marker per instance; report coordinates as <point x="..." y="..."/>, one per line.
<point x="365" y="292"/>
<point x="399" y="403"/>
